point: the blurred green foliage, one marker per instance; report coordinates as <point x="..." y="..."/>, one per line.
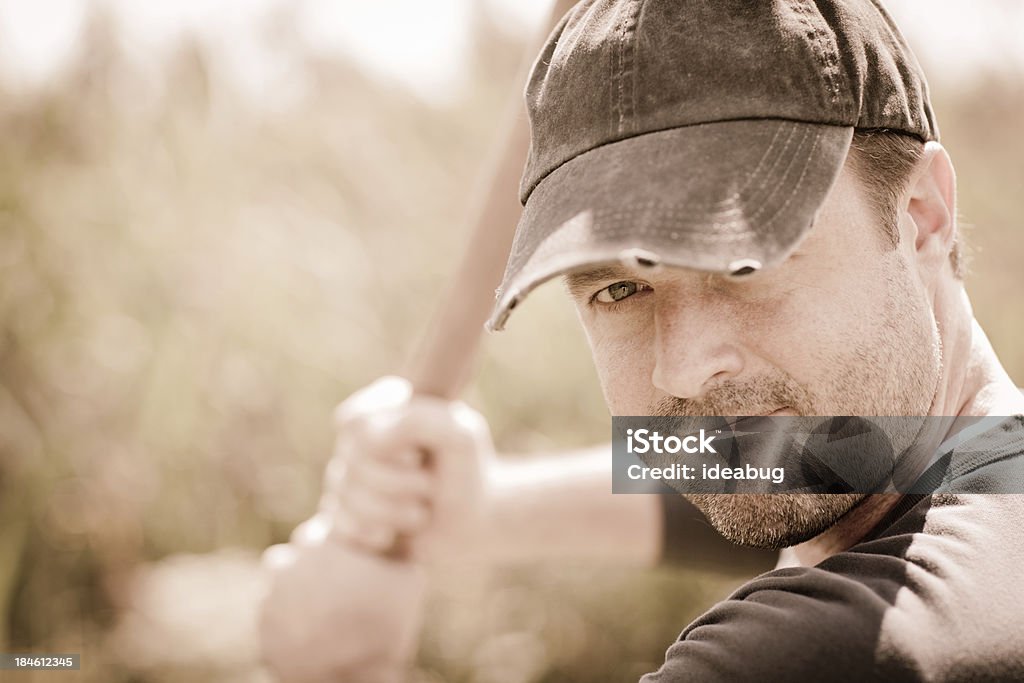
<point x="190" y="281"/>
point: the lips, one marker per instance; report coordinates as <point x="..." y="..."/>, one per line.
<point x="786" y="410"/>
<point x="757" y="423"/>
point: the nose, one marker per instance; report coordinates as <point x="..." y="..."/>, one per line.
<point x="696" y="347"/>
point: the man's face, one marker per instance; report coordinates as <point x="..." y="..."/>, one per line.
<point x="842" y="327"/>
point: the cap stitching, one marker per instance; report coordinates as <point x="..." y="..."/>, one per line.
<point x="520" y="257"/>
<point x="760" y="170"/>
<point x="789" y="198"/>
<point x="734" y="236"/>
<point x="777" y="161"/>
<point x="799" y="181"/>
<point x="626" y="54"/>
<point x="772" y="190"/>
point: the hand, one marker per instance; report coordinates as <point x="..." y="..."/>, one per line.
<point x="408" y="466"/>
<point x="336" y="608"/>
<point x="333" y="613"/>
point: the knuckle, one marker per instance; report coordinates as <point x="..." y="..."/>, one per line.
<point x="353" y="430"/>
<point x="278" y="557"/>
<point x="388" y="391"/>
<point x="468" y="428"/>
<point x="471" y="421"/>
<point x="373" y="433"/>
<point x="349" y="413"/>
<point x="312" y="531"/>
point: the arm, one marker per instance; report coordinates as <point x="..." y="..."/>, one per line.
<point x="559" y="506"/>
<point x="319" y="590"/>
<point x="474" y="506"/>
<point x="471" y="505"/>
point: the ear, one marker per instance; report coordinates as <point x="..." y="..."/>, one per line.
<point x="931" y="206"/>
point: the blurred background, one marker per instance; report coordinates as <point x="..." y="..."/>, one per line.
<point x="219" y="218"/>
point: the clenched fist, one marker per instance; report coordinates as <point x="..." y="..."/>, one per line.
<point x="407" y="472"/>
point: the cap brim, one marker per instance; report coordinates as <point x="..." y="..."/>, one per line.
<point x="712" y="197"/>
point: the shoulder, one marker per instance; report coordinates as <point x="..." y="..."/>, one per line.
<point x="931" y="595"/>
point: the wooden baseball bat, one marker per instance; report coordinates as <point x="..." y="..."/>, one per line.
<point x="442" y="362"/>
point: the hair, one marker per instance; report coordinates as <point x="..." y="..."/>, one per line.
<point x="883" y="161"/>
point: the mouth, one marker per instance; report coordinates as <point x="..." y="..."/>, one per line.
<point x="753" y="422"/>
<point x="785" y="410"/>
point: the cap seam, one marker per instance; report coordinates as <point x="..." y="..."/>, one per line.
<point x="826" y="58"/>
<point x="624" y="77"/>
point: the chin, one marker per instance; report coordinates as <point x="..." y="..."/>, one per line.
<point x="773" y="521"/>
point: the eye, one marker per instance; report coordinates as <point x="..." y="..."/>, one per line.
<point x="619" y="291"/>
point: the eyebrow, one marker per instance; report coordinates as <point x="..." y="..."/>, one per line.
<point x="581" y="283"/>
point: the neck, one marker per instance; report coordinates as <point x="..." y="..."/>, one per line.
<point x="973" y="384"/>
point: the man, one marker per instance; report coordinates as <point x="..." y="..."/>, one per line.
<point x="753" y="215"/>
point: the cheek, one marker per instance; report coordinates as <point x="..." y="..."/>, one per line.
<point x="867" y="345"/>
<point x="624" y="365"/>
<point x="818" y="326"/>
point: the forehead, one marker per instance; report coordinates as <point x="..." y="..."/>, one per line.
<point x="843" y="222"/>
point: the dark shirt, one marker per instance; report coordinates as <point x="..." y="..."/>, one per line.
<point x="932" y="593"/>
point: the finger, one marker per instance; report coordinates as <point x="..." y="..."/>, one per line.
<point x="323" y="528"/>
<point x="370" y="537"/>
<point x="376" y="442"/>
<point x="394" y="483"/>
<point x="390" y="479"/>
<point x="403" y="433"/>
<point x="369" y="509"/>
<point x="424" y="424"/>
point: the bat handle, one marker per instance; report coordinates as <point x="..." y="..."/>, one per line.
<point x="443" y="361"/>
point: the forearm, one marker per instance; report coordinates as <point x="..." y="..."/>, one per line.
<point x="561" y="507"/>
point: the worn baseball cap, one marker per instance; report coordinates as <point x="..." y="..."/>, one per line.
<point x="699" y="133"/>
